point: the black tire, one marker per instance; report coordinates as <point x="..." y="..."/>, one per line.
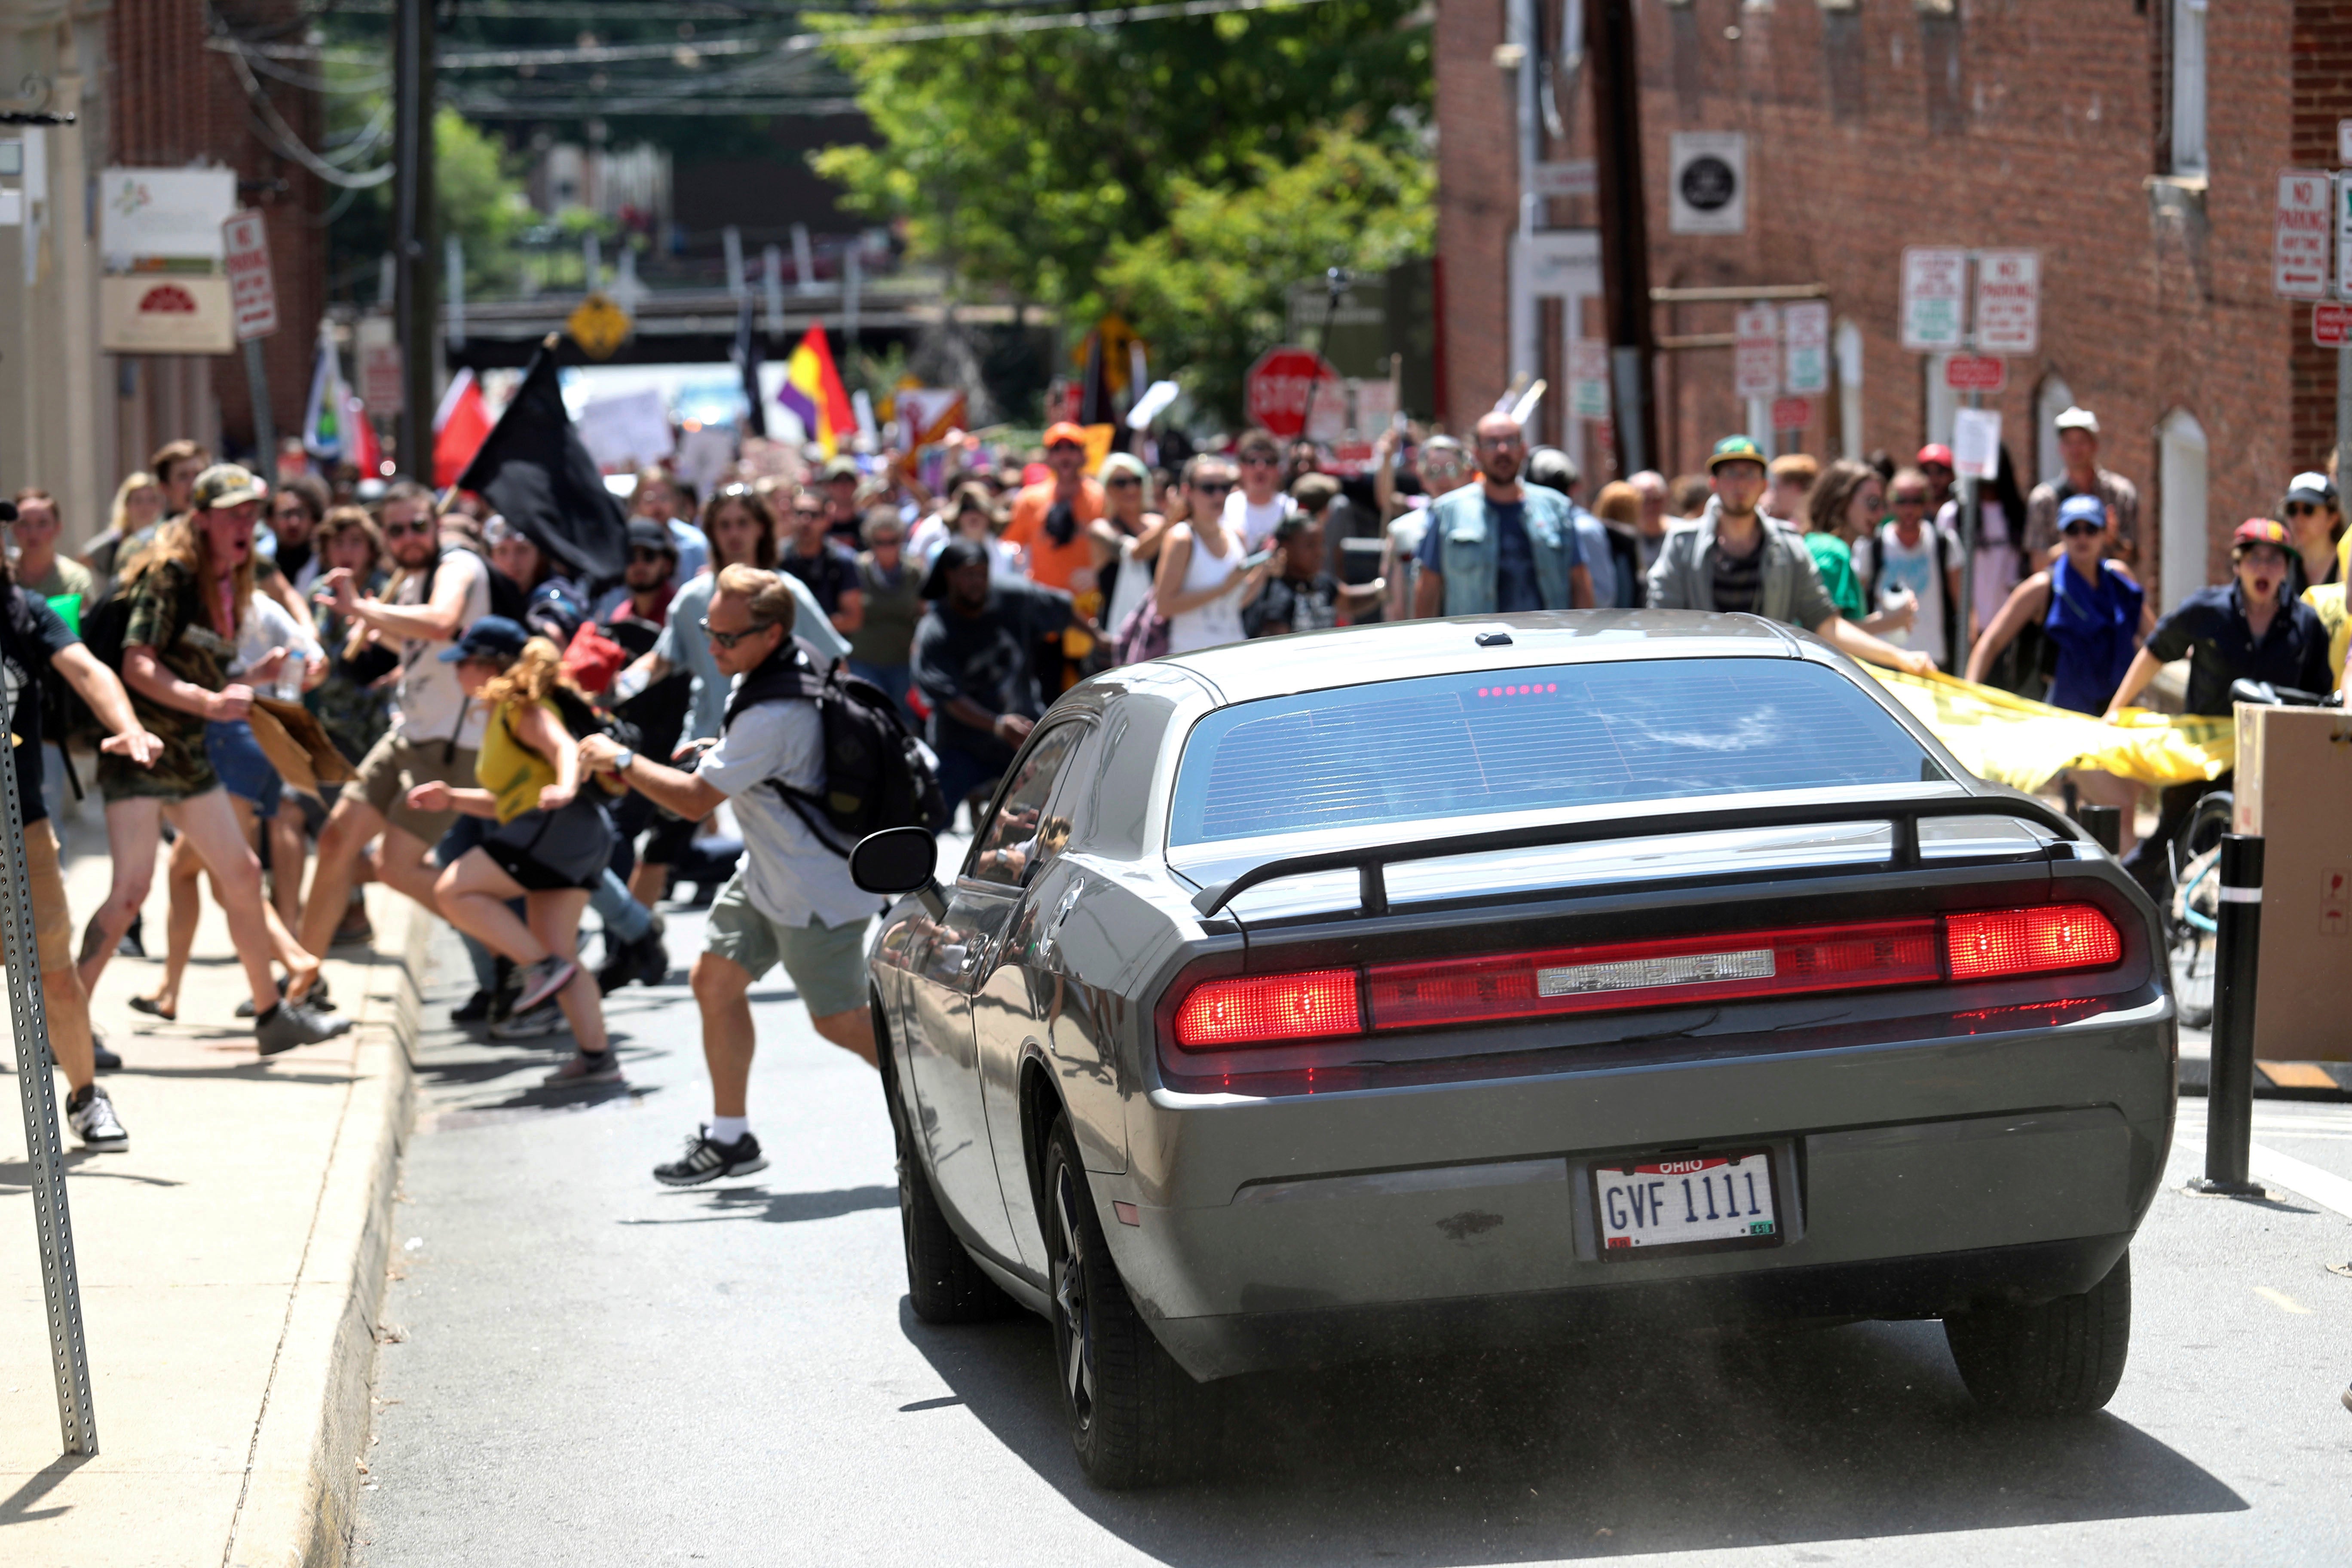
<point x="1136" y="1417"/>
<point x="2062" y="1358"/>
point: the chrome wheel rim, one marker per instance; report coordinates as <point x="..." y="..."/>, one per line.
<point x="1071" y="1318"/>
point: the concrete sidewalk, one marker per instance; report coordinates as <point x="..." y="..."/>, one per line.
<point x="232" y="1261"/>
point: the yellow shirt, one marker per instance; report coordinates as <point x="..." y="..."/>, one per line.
<point x="2328" y="599"/>
<point x="508" y="768"/>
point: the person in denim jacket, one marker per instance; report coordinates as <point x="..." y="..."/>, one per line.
<point x="1500" y="546"/>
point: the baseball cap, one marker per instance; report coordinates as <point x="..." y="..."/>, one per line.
<point x="2077" y="417"/>
<point x="492" y="637"/>
<point x="956" y="552"/>
<point x="644" y="533"/>
<point x="840" y="469"/>
<point x="225" y="484"/>
<point x="2261" y="531"/>
<point x="1062" y="430"/>
<point x="2090" y="508"/>
<point x="1934" y="452"/>
<point x="2316" y="488"/>
<point x="1734" y="449"/>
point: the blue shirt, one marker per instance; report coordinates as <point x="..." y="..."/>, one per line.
<point x="693" y="552"/>
<point x="1599" y="560"/>
<point x="2211" y="628"/>
<point x="1514" y="556"/>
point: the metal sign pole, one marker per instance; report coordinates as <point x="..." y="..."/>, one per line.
<point x="68" y="1355"/>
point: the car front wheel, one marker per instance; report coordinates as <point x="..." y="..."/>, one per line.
<point x="2062" y="1358"/>
<point x="1135" y="1414"/>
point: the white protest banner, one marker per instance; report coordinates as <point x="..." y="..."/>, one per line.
<point x="1975" y="443"/>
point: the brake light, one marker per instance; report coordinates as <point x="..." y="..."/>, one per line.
<point x="1266" y="1008"/>
<point x="1654" y="973"/>
<point x="1994" y="944"/>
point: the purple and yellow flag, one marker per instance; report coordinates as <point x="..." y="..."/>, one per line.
<point x="813" y="390"/>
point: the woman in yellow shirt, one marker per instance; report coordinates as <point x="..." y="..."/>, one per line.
<point x="551" y="843"/>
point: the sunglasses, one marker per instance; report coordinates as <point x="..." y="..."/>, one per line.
<point x="1260" y="460"/>
<point x="1123" y="482"/>
<point x="2304" y="509"/>
<point x="1213" y="487"/>
<point x="636" y="555"/>
<point x="729" y="640"/>
<point x="1910" y="501"/>
<point x="399" y="530"/>
<point x="2084" y="525"/>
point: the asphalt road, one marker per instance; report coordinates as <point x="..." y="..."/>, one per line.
<point x="583" y="1367"/>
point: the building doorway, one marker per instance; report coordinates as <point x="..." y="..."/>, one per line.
<point x="2187" y="544"/>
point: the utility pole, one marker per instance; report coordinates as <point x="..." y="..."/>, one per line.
<point x="413" y="248"/>
<point x="1624" y="228"/>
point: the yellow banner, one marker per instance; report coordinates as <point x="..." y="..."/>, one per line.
<point x="2010" y="741"/>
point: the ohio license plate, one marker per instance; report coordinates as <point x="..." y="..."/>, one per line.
<point x="1708" y="1200"/>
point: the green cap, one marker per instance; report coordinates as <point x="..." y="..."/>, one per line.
<point x="1734" y="449"/>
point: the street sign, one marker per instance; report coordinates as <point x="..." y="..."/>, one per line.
<point x="1934" y="295"/>
<point x="252" y="292"/>
<point x="1976" y="372"/>
<point x="2299" y="233"/>
<point x="2341" y="194"/>
<point x="164" y="313"/>
<point x="1276" y="391"/>
<point x="2009" y="302"/>
<point x="1805" y="335"/>
<point x="1572" y="177"/>
<point x="2331" y="325"/>
<point x="598" y="326"/>
<point x="382" y="388"/>
<point x="1707" y="182"/>
<point x="1587" y="378"/>
<point x="1792" y="413"/>
<point x="1756" y="356"/>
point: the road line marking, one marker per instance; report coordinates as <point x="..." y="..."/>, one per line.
<point x="2323" y="1187"/>
<point x="2282" y="1301"/>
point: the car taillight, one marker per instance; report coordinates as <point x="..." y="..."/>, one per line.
<point x="1654" y="973"/>
<point x="1322" y="1004"/>
<point x="1269" y="1008"/>
<point x="1994" y="944"/>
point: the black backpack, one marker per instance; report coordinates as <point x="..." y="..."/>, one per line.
<point x="875" y="773"/>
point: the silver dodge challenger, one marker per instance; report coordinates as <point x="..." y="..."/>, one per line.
<point x="1408" y="989"/>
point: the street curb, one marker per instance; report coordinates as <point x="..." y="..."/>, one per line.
<point x="302" y="1477"/>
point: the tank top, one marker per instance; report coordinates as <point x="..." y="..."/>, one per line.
<point x="2092" y="624"/>
<point x="1218" y="621"/>
<point x="510" y="770"/>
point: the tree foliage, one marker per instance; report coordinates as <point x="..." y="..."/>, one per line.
<point x="479" y="198"/>
<point x="1209" y="291"/>
<point x="1022" y="162"/>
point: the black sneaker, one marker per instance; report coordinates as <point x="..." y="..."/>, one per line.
<point x="505" y="986"/>
<point x="92" y="1116"/>
<point x="108" y="1061"/>
<point x="474" y="1009"/>
<point x="585" y="1067"/>
<point x="289" y="1024"/>
<point x="644" y="961"/>
<point x="707" y="1160"/>
<point x="318" y="1001"/>
<point x="133" y="943"/>
<point x="536" y="1024"/>
<point x="542" y="980"/>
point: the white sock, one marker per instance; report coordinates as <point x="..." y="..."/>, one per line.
<point x="729" y="1130"/>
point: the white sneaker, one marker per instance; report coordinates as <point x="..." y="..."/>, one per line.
<point x="95" y="1124"/>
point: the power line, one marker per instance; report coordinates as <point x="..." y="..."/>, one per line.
<point x="616" y="108"/>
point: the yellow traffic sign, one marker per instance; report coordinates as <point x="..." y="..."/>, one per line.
<point x="598" y="326"/>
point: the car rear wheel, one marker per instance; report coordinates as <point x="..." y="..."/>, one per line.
<point x="1135" y="1414"/>
<point x="943" y="1283"/>
<point x="2062" y="1358"/>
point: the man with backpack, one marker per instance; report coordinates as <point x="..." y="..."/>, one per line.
<point x="790" y="901"/>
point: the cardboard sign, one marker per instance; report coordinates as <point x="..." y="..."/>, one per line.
<point x="2299" y="235"/>
<point x="1975" y="443"/>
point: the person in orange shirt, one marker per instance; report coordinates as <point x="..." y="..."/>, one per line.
<point x="1057" y="560"/>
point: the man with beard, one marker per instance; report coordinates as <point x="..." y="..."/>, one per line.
<point x="975" y="659"/>
<point x="436" y="730"/>
<point x="1499" y="545"/>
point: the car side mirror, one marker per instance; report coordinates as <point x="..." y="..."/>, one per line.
<point x="898" y="861"/>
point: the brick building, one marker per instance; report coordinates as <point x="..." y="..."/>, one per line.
<point x="2134" y="142"/>
<point x="147" y="92"/>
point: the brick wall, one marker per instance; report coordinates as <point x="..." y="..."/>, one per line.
<point x="2004" y="122"/>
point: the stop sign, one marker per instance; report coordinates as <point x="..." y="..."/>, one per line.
<point x="1275" y="392"/>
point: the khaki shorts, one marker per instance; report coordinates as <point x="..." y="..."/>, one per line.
<point x="53" y="930"/>
<point x="827" y="963"/>
<point x="393" y="767"/>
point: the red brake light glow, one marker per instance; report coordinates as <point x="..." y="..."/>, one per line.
<point x="1994" y="944"/>
<point x="1256" y="1009"/>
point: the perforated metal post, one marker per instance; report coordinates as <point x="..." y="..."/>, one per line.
<point x="2230" y="1085"/>
<point x="61" y="1286"/>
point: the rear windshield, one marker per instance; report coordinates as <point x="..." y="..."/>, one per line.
<point x="1529" y="739"/>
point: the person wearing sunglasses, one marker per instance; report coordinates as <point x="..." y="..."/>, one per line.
<point x="2317" y="520"/>
<point x="1255" y="511"/>
<point x="1063" y="550"/>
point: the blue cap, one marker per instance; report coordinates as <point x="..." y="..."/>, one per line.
<point x="2088" y="508"/>
<point x="492" y="637"/>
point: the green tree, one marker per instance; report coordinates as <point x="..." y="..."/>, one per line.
<point x="1209" y="291"/>
<point x="1019" y="161"/>
<point x="479" y="197"/>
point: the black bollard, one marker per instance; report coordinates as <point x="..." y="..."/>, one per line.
<point x="2102" y="823"/>
<point x="2230" y="1093"/>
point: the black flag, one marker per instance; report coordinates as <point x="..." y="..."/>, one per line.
<point x="746" y="355"/>
<point x="533" y="470"/>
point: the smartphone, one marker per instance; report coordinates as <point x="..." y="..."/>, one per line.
<point x="1251" y="563"/>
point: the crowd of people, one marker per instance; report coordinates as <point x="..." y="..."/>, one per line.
<point x="295" y="686"/>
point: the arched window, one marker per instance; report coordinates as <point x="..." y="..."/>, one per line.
<point x="1848" y="341"/>
<point x="2055" y="398"/>
<point x="2187" y="548"/>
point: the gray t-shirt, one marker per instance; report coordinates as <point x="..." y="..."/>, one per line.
<point x="789" y="876"/>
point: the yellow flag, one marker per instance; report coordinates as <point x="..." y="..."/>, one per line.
<point x="2006" y="740"/>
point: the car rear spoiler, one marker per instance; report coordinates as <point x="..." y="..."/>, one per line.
<point x="1371" y="862"/>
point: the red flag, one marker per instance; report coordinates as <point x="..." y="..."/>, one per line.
<point x="366" y="453"/>
<point x="459" y="426"/>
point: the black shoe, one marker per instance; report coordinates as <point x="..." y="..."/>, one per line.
<point x="92" y="1116"/>
<point x="644" y="961"/>
<point x="506" y="986"/>
<point x="318" y="1001"/>
<point x="706" y="1160"/>
<point x="475" y="1009"/>
<point x="107" y="1060"/>
<point x="289" y="1024"/>
<point x="132" y="946"/>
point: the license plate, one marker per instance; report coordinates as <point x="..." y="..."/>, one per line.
<point x="1708" y="1200"/>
